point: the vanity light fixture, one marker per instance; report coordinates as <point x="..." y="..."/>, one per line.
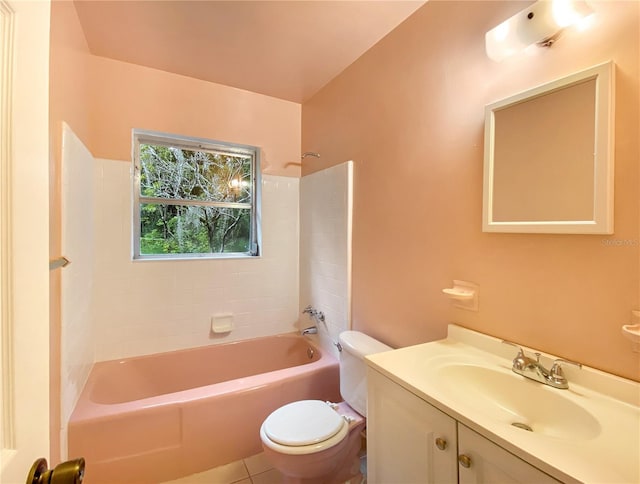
<point x="541" y="24"/>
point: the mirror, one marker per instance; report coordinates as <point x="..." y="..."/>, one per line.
<point x="548" y="157"/>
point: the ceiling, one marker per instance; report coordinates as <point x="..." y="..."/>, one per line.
<point x="286" y="49"/>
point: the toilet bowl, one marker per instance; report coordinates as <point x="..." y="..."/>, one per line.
<point x="311" y="441"/>
<point x="314" y="442"/>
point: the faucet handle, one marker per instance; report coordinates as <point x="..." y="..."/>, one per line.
<point x="556" y="373"/>
<point x="520" y="361"/>
<point x="520" y="350"/>
<point x="556" y="369"/>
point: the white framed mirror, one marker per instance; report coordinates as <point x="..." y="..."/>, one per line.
<point x="548" y="157"/>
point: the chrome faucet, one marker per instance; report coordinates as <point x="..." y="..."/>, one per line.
<point x="318" y="316"/>
<point x="534" y="370"/>
<point x="314" y="313"/>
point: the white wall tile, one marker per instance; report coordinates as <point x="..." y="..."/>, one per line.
<point x="325" y="249"/>
<point x="153" y="306"/>
<point x="146" y="307"/>
<point x="77" y="351"/>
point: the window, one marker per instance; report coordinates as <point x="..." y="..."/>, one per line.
<point x="194" y="198"/>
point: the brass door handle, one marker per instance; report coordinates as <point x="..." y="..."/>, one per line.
<point x="69" y="472"/>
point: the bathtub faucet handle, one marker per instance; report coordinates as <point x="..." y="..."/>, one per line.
<point x="314" y="313"/>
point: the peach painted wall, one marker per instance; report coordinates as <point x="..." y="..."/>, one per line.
<point x="410" y="113"/>
<point x="69" y="102"/>
<point x="126" y="96"/>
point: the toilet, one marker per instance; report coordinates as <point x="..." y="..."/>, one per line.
<point x="313" y="442"/>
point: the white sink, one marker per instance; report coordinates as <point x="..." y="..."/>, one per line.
<point x="589" y="432"/>
<point x="514" y="400"/>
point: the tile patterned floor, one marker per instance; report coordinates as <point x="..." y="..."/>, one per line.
<point x="252" y="470"/>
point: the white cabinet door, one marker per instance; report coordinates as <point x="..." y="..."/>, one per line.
<point x="402" y="430"/>
<point x="488" y="463"/>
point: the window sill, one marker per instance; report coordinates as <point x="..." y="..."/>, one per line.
<point x="195" y="257"/>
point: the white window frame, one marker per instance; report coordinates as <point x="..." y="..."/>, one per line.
<point x="196" y="144"/>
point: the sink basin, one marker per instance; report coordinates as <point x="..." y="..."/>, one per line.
<point x="587" y="433"/>
<point x="514" y="400"/>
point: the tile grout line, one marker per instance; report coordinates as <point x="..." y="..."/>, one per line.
<point x="244" y="463"/>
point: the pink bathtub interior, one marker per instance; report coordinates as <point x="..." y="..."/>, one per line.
<point x="159" y="417"/>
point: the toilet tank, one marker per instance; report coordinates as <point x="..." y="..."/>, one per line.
<point x="353" y="368"/>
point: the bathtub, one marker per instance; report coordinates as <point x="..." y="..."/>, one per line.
<point x="159" y="417"/>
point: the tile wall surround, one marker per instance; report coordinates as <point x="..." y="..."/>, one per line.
<point x="146" y="307"/>
<point x="325" y="249"/>
<point x="77" y="278"/>
<point x="114" y="307"/>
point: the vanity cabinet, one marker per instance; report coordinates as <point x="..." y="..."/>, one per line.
<point x="410" y="441"/>
<point x="491" y="464"/>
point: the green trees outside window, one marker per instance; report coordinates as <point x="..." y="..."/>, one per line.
<point x="197" y="200"/>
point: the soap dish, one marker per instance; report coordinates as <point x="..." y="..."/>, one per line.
<point x="463" y="294"/>
<point x="632" y="332"/>
<point x="222" y="323"/>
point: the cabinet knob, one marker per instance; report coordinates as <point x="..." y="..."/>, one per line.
<point x="464" y="460"/>
<point x="441" y="443"/>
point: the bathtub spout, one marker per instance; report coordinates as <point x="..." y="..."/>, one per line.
<point x="309" y="330"/>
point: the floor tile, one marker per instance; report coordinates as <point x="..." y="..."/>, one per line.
<point x="269" y="477"/>
<point x="226" y="474"/>
<point x="257" y="464"/>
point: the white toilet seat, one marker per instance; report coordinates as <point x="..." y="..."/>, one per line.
<point x="303" y="427"/>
